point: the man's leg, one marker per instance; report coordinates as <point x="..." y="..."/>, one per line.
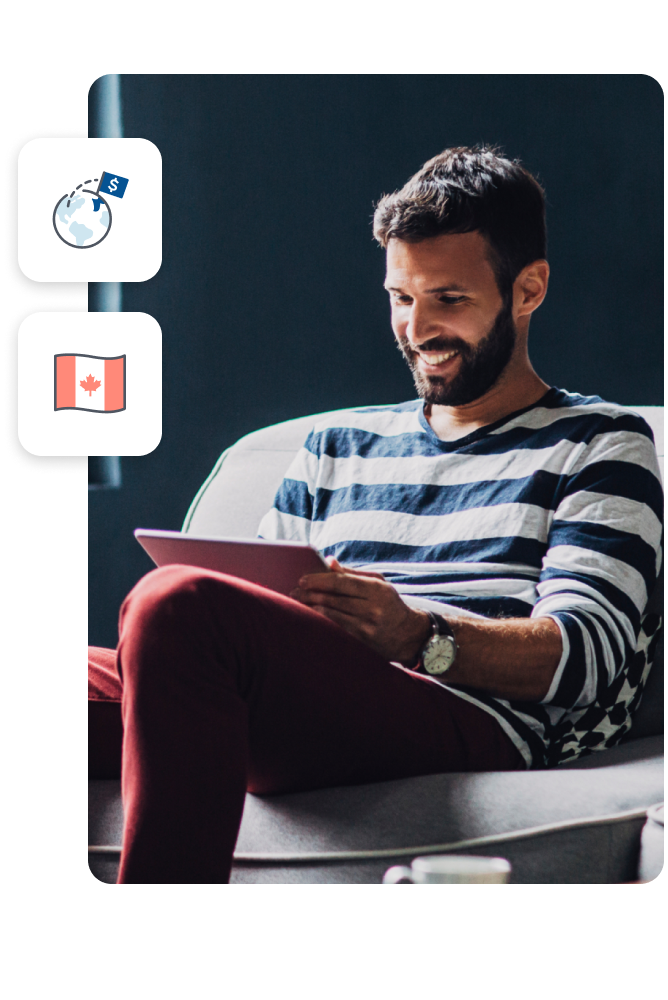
<point x="229" y="687"/>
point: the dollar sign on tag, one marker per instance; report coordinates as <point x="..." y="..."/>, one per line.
<point x="113" y="184"/>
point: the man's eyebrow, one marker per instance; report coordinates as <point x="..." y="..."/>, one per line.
<point x="432" y="291"/>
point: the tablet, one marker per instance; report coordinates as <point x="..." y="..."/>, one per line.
<point x="275" y="565"/>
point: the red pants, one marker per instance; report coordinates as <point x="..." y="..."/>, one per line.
<point x="227" y="687"/>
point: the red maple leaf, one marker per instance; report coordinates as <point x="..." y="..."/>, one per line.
<point x="90" y="384"/>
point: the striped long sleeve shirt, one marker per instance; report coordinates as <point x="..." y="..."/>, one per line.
<point x="554" y="510"/>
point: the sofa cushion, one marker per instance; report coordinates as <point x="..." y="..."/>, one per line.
<point x="454" y="809"/>
<point x="241" y="487"/>
<point x="650" y="863"/>
<point x="414" y="813"/>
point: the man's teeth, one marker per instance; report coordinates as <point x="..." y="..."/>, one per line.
<point x="438" y="359"/>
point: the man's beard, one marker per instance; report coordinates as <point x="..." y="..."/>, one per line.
<point x="479" y="367"/>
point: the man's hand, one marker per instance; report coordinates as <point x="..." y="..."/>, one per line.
<point x="510" y="658"/>
<point x="368" y="607"/>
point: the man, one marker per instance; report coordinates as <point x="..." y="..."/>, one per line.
<point x="493" y="545"/>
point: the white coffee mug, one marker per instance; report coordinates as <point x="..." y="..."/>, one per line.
<point x="449" y="868"/>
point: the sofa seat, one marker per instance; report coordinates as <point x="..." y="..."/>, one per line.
<point x="613" y="788"/>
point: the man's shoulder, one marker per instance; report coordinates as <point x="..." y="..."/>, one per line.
<point x="561" y="399"/>
<point x="577" y="416"/>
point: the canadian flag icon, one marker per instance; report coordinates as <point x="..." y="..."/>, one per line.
<point x="88" y="382"/>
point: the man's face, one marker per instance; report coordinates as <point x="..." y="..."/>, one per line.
<point x="448" y="316"/>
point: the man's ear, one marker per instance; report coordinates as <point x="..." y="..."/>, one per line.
<point x="530" y="287"/>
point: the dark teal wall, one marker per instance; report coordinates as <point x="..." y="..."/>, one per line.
<point x="270" y="297"/>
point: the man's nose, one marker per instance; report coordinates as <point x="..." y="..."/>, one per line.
<point x="421" y="325"/>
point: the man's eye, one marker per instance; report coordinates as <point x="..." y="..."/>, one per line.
<point x="406" y="300"/>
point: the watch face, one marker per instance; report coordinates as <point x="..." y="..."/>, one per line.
<point x="439" y="655"/>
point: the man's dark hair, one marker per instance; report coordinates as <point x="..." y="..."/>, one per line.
<point x="464" y="190"/>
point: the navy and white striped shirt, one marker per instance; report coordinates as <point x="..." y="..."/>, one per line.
<point x="553" y="510"/>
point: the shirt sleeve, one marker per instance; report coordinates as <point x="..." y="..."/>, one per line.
<point x="290" y="517"/>
<point x="603" y="558"/>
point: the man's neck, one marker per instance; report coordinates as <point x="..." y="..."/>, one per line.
<point x="513" y="391"/>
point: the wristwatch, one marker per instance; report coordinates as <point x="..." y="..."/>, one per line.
<point x="440" y="650"/>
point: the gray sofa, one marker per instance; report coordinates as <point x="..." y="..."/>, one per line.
<point x="586" y="821"/>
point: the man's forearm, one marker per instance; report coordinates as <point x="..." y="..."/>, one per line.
<point x="512" y="658"/>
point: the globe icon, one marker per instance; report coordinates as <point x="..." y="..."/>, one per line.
<point x="82" y="219"/>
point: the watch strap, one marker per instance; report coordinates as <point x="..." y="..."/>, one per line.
<point x="439" y="626"/>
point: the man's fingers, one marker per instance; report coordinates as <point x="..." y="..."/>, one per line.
<point x="339" y="583"/>
<point x="350" y="604"/>
<point x="336" y="567"/>
<point x="366" y="573"/>
<point x="350" y="623"/>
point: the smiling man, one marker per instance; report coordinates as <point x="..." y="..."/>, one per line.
<point x="466" y="343"/>
<point x="493" y="544"/>
<point x="505" y="514"/>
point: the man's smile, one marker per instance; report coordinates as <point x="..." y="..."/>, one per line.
<point x="433" y="360"/>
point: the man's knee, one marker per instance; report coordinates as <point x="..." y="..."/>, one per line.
<point x="168" y="594"/>
<point x="178" y="619"/>
<point x="175" y="600"/>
